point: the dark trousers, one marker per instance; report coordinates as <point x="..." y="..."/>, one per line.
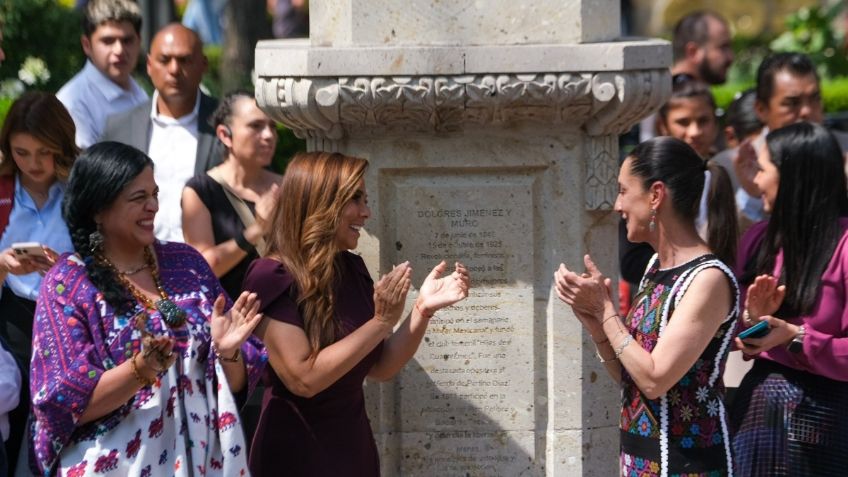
<point x="16" y="316"/>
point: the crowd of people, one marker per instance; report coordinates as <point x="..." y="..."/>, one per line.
<point x="773" y="187"/>
<point x="154" y="270"/>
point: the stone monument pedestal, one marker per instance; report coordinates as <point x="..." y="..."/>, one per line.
<point x="492" y="133"/>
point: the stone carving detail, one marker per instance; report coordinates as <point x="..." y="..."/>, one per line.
<point x="601" y="172"/>
<point x="331" y="108"/>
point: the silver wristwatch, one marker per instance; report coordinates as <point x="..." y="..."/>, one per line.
<point x="797" y="343"/>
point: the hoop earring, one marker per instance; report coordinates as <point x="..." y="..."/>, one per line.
<point x="95" y="241"/>
<point x="652" y="225"/>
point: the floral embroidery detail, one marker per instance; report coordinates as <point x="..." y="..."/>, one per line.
<point x="75" y="314"/>
<point x="227" y="421"/>
<point x="691" y="411"/>
<point x="108" y="462"/>
<point x="155" y="429"/>
<point x="77" y="470"/>
<point x="644" y="425"/>
<point x="712" y="408"/>
<point x="134" y="445"/>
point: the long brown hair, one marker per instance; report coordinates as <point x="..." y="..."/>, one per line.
<point x="315" y="188"/>
<point x="42" y="116"/>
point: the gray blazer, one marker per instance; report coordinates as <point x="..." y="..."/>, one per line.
<point x="133" y="128"/>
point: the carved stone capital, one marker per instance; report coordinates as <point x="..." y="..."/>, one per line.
<point x="328" y="108"/>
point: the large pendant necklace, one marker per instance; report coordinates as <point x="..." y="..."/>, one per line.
<point x="172" y="315"/>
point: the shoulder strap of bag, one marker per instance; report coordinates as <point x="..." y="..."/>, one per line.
<point x="241" y="208"/>
<point x="7" y="200"/>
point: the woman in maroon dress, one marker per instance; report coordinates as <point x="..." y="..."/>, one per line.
<point x="327" y="326"/>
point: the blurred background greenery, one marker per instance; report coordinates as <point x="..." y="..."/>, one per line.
<point x="41" y="39"/>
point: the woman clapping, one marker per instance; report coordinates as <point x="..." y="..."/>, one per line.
<point x="135" y="361"/>
<point x="224" y="209"/>
<point x="327" y="325"/>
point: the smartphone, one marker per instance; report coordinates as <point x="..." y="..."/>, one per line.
<point x="29" y="250"/>
<point x="757" y="331"/>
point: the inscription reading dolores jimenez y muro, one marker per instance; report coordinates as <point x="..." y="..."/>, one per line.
<point x="475" y="367"/>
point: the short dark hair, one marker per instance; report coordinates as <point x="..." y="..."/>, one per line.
<point x="98" y="12"/>
<point x="693" y="27"/>
<point x="684" y="86"/>
<point x="811" y="197"/>
<point x="97" y="178"/>
<point x="741" y="115"/>
<point x="45" y="118"/>
<point x="798" y="64"/>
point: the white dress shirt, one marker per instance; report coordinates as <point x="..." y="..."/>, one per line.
<point x="173" y="148"/>
<point x="91" y="97"/>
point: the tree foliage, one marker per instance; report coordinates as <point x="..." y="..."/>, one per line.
<point x="44" y="29"/>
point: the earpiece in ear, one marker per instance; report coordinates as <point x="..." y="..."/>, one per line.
<point x="229" y="131"/>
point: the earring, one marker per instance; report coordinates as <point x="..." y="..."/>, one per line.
<point x="652" y="225"/>
<point x="95" y="240"/>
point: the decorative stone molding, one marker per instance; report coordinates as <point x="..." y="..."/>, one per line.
<point x="601" y="172"/>
<point x="326" y="108"/>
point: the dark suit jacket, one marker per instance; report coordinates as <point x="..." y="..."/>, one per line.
<point x="133" y="128"/>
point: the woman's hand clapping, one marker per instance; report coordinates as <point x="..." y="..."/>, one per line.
<point x="231" y="329"/>
<point x="588" y="293"/>
<point x="764" y="297"/>
<point x="390" y="294"/>
<point x="438" y="292"/>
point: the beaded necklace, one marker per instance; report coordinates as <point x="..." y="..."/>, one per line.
<point x="172" y="315"/>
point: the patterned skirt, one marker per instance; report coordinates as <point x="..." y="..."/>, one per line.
<point x="787" y="422"/>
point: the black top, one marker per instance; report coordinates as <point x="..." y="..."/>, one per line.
<point x="226" y="224"/>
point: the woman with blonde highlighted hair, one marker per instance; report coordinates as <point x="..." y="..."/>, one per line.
<point x="327" y="326"/>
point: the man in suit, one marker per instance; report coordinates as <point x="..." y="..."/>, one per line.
<point x="173" y="127"/>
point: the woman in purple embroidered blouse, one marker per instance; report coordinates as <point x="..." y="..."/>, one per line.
<point x="135" y="363"/>
<point x="789" y="416"/>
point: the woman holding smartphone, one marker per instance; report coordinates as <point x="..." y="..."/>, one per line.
<point x="38" y="149"/>
<point x="789" y="414"/>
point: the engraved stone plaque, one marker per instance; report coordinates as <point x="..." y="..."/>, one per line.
<point x="471" y="383"/>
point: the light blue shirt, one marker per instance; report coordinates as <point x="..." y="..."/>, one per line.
<point x="29" y="224"/>
<point x="91" y="97"/>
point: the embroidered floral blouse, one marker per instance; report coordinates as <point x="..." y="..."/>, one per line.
<point x="187" y="423"/>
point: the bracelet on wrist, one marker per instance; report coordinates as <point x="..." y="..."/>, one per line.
<point x="421" y="312"/>
<point x="609" y="318"/>
<point x="234" y="359"/>
<point x="243" y="244"/>
<point x="137" y="375"/>
<point x="626" y="341"/>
